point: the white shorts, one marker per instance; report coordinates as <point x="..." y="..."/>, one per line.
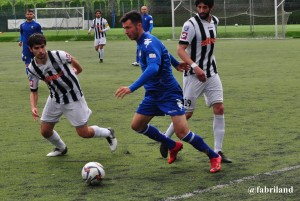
<point x="78" y="112"/>
<point x="192" y="89"/>
<point x="101" y="41"/>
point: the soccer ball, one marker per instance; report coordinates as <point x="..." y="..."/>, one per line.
<point x="236" y="25"/>
<point x="92" y="173"/>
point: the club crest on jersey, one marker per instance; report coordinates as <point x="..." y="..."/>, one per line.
<point x="32" y="27"/>
<point x="186" y="28"/>
<point x="184" y="35"/>
<point x="147" y="41"/>
<point x="179" y="104"/>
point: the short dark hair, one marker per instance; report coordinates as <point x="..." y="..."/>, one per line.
<point x="134" y="16"/>
<point x="98" y="11"/>
<point x="36" y="39"/>
<point x="29" y="10"/>
<point x="210" y="3"/>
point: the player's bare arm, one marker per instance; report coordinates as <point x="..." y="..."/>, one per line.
<point x="186" y="58"/>
<point x="183" y="66"/>
<point x="76" y="66"/>
<point x="122" y="91"/>
<point x="33" y="104"/>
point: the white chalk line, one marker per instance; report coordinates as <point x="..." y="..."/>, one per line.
<point x="195" y="192"/>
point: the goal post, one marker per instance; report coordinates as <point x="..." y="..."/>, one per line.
<point x="238" y="18"/>
<point x="69" y="18"/>
<point x="280" y="24"/>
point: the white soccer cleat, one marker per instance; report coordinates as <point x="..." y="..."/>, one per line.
<point x="112" y="140"/>
<point x="58" y="152"/>
<point x="135" y="63"/>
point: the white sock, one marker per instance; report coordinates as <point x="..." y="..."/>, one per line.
<point x="100" y="132"/>
<point x="170" y="131"/>
<point x="219" y="131"/>
<point x="56" y="140"/>
<point x="101" y="53"/>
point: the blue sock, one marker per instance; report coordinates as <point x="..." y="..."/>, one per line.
<point x="154" y="134"/>
<point x="199" y="144"/>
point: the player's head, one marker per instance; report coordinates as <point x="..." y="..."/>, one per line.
<point x="132" y="24"/>
<point x="37" y="45"/>
<point x="144" y="10"/>
<point x="29" y="14"/>
<point x="98" y="13"/>
<point x="204" y="8"/>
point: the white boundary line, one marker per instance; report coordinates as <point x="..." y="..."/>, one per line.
<point x="195" y="192"/>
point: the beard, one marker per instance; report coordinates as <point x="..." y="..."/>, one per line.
<point x="204" y="16"/>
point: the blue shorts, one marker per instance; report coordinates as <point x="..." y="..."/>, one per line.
<point x="158" y="104"/>
<point x="27" y="57"/>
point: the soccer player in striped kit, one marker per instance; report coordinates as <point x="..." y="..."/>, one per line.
<point x="100" y="26"/>
<point x="196" y="48"/>
<point x="28" y="28"/>
<point x="59" y="71"/>
<point x="163" y="94"/>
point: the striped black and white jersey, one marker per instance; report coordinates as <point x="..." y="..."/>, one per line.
<point x="99" y="24"/>
<point x="58" y="74"/>
<point x="200" y="36"/>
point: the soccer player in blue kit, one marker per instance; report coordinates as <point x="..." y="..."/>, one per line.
<point x="147" y="23"/>
<point x="28" y="28"/>
<point x="163" y="94"/>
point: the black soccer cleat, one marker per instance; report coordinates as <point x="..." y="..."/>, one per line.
<point x="163" y="150"/>
<point x="224" y="158"/>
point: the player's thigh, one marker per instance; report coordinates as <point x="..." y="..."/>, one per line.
<point x="213" y="91"/>
<point x="27" y="57"/>
<point x="192" y="90"/>
<point x="78" y="112"/>
<point x="102" y="42"/>
<point x="51" y="112"/>
<point x="96" y="43"/>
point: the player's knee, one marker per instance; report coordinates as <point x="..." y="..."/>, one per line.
<point x="46" y="133"/>
<point x="218" y="108"/>
<point x="138" y="127"/>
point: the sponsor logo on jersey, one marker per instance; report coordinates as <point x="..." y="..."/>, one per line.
<point x="183" y="35"/>
<point x="53" y="77"/>
<point x="152" y="56"/>
<point x="147" y="41"/>
<point x="208" y="41"/>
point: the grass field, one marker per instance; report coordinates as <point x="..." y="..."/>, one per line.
<point x="163" y="33"/>
<point x="261" y="90"/>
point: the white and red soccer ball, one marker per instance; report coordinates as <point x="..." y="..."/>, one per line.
<point x="92" y="173"/>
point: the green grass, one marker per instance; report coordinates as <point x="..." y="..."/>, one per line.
<point x="163" y="33"/>
<point x="261" y="91"/>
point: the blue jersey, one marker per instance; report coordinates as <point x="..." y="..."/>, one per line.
<point x="26" y="30"/>
<point x="147" y="22"/>
<point x="155" y="61"/>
